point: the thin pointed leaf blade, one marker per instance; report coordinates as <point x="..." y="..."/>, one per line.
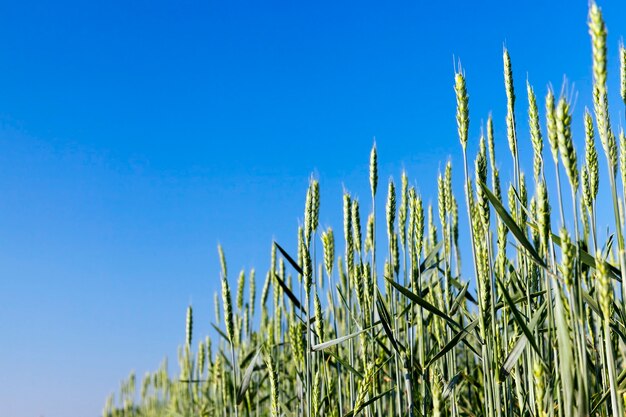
<point x="459" y="299"/>
<point x="453" y="383"/>
<point x="520" y="236"/>
<point x="456" y="339"/>
<point x="518" y="317"/>
<point x="421" y="302"/>
<point x="564" y="343"/>
<point x="247" y="377"/>
<point x="368" y="402"/>
<point x="289" y="294"/>
<point x="520" y="344"/>
<point x="344" y="363"/>
<point x="430" y="258"/>
<point x="220" y="332"/>
<point x="289" y="259"/>
<point x="338" y="340"/>
<point x="385" y="320"/>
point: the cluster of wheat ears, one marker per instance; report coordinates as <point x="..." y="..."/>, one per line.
<point x="537" y="329"/>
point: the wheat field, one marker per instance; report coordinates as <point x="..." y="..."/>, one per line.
<point x="356" y="324"/>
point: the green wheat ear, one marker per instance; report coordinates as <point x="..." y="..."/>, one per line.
<point x="605" y="287"/>
<point x="597" y="30"/>
<point x="543" y="214"/>
<point x="369" y="233"/>
<point x="356" y="225"/>
<point x="441" y="202"/>
<point x="319" y="317"/>
<point x="273" y="259"/>
<point x="551" y="124"/>
<point x="307" y="271"/>
<point x="241" y="283"/>
<point x="412" y="226"/>
<point x="317" y="393"/>
<point x="309" y="213"/>
<point x="454" y="212"/>
<point x="419" y="224"/>
<point x="586" y="188"/>
<point x="437" y="395"/>
<point x="273" y="377"/>
<point x="220" y="251"/>
<point x="328" y="243"/>
<point x="491" y="146"/>
<point x="402" y="212"/>
<point x="566" y="144"/>
<point x="252" y="291"/>
<point x="448" y="186"/>
<point x="364" y="387"/>
<point x="189" y="326"/>
<point x="480" y="167"/>
<point x="315" y="193"/>
<point x="227" y="304"/>
<point x="266" y="288"/>
<point x="540" y="387"/>
<point x="535" y="133"/>
<point x="462" y="107"/>
<point x="201" y="359"/>
<point x="569" y="257"/>
<point x="373" y="170"/>
<point x="391" y="208"/>
<point x="347" y="230"/>
<point x="591" y="156"/>
<point x="216" y="305"/>
<point x="510" y="98"/>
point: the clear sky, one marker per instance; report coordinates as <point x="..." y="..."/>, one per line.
<point x="136" y="135"/>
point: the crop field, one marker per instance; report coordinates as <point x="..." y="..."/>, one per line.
<point x="528" y="320"/>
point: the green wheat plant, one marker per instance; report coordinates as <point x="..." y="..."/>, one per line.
<point x="533" y="324"/>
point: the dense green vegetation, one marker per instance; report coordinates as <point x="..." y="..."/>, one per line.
<point x="536" y="328"/>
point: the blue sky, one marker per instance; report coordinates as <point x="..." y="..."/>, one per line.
<point x="135" y="136"/>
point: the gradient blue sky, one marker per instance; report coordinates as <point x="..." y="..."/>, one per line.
<point x="136" y="135"/>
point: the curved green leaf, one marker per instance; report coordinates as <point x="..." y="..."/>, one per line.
<point x="520" y="236"/>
